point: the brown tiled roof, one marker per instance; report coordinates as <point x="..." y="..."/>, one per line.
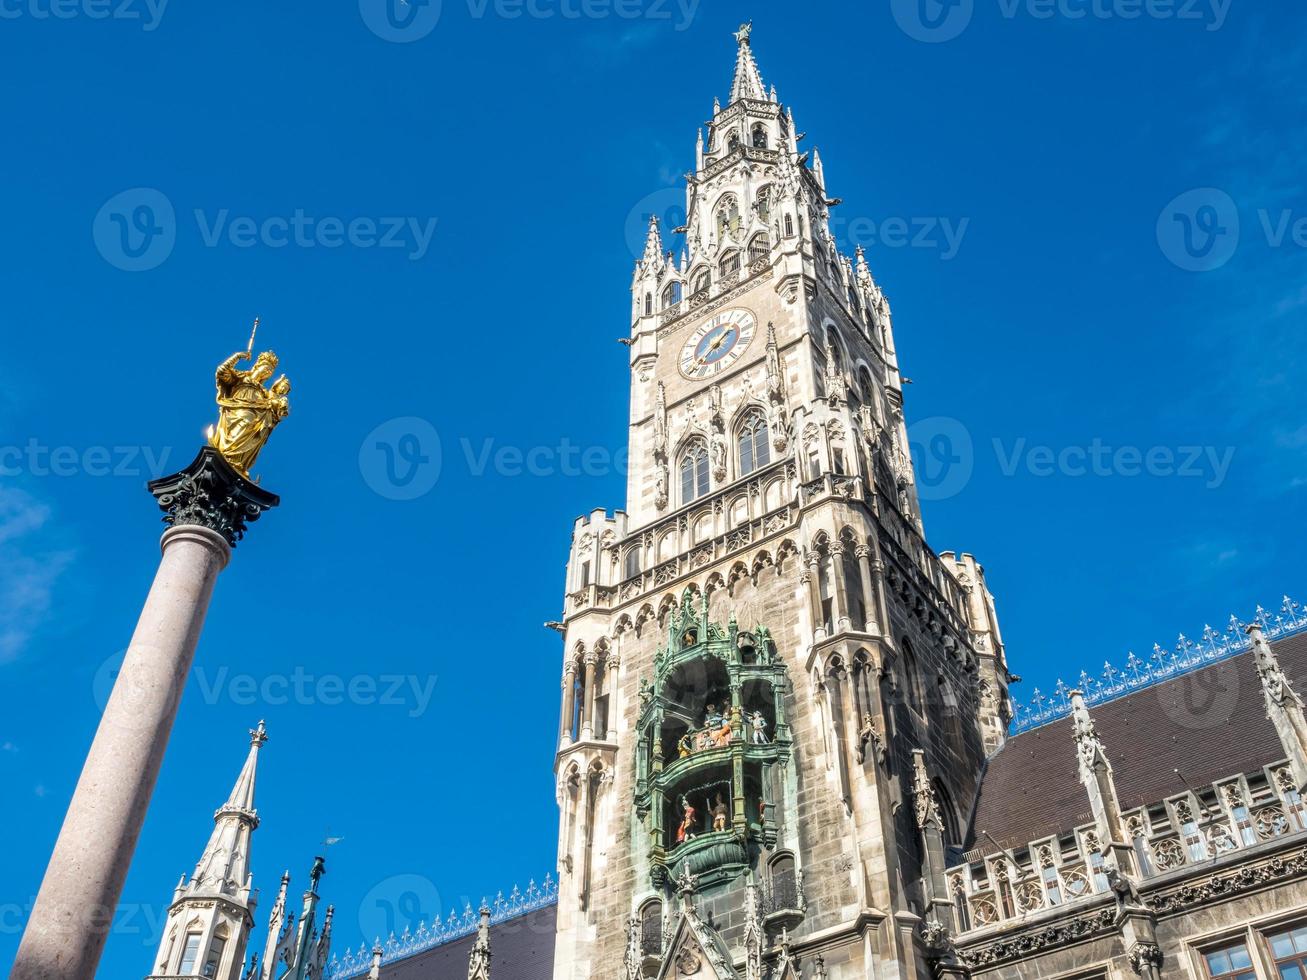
<point x="520" y="949"/>
<point x="1209" y="725"/>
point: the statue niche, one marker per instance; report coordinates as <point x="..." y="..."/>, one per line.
<point x="712" y="735"/>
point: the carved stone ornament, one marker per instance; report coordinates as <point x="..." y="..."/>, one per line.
<point x="1146" y="959"/>
<point x="210" y="493"/>
<point x="688" y="961"/>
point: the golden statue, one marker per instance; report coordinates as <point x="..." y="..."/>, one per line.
<point x="247" y="411"/>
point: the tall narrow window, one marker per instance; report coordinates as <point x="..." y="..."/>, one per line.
<point x="1194" y="841"/>
<point x="1096" y="864"/>
<point x="1230" y="963"/>
<point x="728" y="216"/>
<point x="755" y="449"/>
<point x="190" y="953"/>
<point x="214" y="959"/>
<point x="1244" y="822"/>
<point x="789" y="226"/>
<point x="694" y="472"/>
<point x="760" y="136"/>
<point x="762" y="204"/>
<point x="648" y="303"/>
<point x="1052" y="884"/>
<point x="585" y="574"/>
<point x="632" y="563"/>
<point x="651" y="928"/>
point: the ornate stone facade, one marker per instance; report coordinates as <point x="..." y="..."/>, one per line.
<point x="758" y="644"/>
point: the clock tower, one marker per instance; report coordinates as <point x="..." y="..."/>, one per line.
<point x="773" y="689"/>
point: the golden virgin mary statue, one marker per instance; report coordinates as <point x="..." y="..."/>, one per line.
<point x="247" y="411"/>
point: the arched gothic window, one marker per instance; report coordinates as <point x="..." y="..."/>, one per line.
<point x="671" y="295"/>
<point x="651" y="928"/>
<point x="760" y="136"/>
<point x="733" y="142"/>
<point x="694" y="471"/>
<point x="190" y="954"/>
<point x="702" y="280"/>
<point x="784" y="881"/>
<point x="759" y="246"/>
<point x="753" y="444"/>
<point x="632" y="563"/>
<point x="214" y="960"/>
<point x="728" y="216"/>
<point x="730" y="262"/>
<point x="912" y="679"/>
<point x="762" y="204"/>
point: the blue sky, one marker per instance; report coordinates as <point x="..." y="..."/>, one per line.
<point x="1061" y="313"/>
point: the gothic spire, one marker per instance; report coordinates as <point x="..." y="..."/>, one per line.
<point x="478" y="965"/>
<point x="748" y="82"/>
<point x="653" y="245"/>
<point x="211" y="912"/>
<point x="241" y="799"/>
<point x="1284" y="708"/>
<point x="224" y="867"/>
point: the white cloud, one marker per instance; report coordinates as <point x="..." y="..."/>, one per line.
<point x="29" y="568"/>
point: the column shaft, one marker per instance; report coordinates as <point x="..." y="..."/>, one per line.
<point x="75" y="906"/>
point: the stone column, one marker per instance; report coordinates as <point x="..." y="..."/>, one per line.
<point x="207" y="505"/>
<point x="812" y="577"/>
<point x="569" y="703"/>
<point x="588" y="720"/>
<point x="840" y="607"/>
<point x="869" y="602"/>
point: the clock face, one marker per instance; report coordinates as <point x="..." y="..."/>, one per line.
<point x="717" y="344"/>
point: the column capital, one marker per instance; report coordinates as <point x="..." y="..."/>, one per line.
<point x="209" y="493"/>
